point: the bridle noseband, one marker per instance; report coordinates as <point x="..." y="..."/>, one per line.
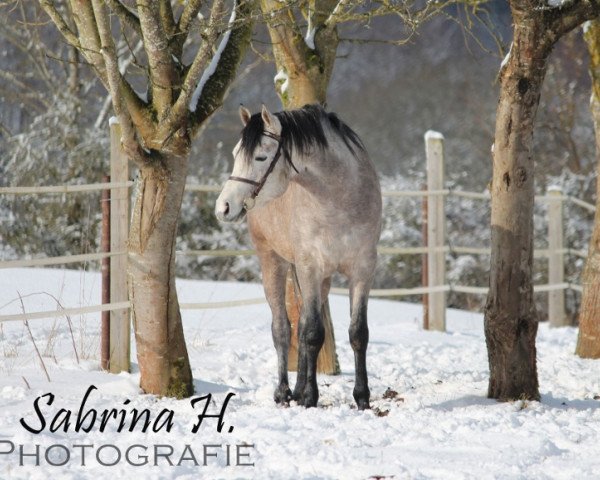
<point x="258" y="186"/>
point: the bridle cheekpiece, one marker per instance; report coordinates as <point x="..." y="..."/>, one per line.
<point x="258" y="186"/>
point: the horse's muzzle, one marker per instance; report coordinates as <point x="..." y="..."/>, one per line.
<point x="224" y="213"/>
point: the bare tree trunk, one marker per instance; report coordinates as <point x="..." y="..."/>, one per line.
<point x="588" y="341"/>
<point x="161" y="350"/>
<point x="510" y="317"/>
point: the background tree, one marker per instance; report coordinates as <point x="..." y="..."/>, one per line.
<point x="305" y="41"/>
<point x="183" y="89"/>
<point x="510" y="315"/>
<point x="588" y="340"/>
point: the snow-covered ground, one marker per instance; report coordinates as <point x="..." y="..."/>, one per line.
<point x="434" y="421"/>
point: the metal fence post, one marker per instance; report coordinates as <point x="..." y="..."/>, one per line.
<point x="424" y="260"/>
<point x="436" y="231"/>
<point x="556" y="267"/>
<point x="120" y="329"/>
<point x="105" y="268"/>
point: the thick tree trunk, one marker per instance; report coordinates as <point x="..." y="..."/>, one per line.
<point x="588" y="341"/>
<point x="161" y="350"/>
<point x="510" y="317"/>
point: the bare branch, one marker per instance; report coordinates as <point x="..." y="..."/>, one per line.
<point x="180" y="108"/>
<point x="336" y="13"/>
<point x="163" y="74"/>
<point x="126" y="16"/>
<point x="571" y="15"/>
<point x="128" y="139"/>
<point x="191" y="9"/>
<point x="89" y="41"/>
<point x="167" y="18"/>
<point x="62" y="26"/>
<point x="218" y="83"/>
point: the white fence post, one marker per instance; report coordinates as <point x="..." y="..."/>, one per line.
<point x="436" y="231"/>
<point x="120" y="328"/>
<point x="556" y="269"/>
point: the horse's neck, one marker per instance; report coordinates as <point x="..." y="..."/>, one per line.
<point x="324" y="171"/>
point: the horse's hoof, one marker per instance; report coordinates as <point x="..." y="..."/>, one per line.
<point x="282" y="395"/>
<point x="362" y="399"/>
<point x="310" y="397"/>
<point x="298" y="396"/>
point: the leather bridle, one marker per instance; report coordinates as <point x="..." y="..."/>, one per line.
<point x="258" y="186"/>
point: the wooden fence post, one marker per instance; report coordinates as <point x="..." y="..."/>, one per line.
<point x="120" y="328"/>
<point x="556" y="267"/>
<point x="436" y="231"/>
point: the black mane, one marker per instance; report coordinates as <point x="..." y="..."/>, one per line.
<point x="300" y="130"/>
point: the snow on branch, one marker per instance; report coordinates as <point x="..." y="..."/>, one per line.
<point x="196" y="70"/>
<point x="210" y="70"/>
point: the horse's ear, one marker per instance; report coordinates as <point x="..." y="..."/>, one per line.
<point x="245" y="115"/>
<point x="267" y="117"/>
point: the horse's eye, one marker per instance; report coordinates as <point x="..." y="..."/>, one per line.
<point x="260" y="159"/>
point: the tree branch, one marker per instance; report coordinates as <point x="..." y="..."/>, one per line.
<point x="191" y="9"/>
<point x="126" y="16"/>
<point x="218" y="83"/>
<point x="163" y="74"/>
<point x="572" y="14"/>
<point x="89" y="40"/>
<point x="167" y="18"/>
<point x="128" y="138"/>
<point x="63" y="28"/>
<point x="336" y="13"/>
<point x="181" y="107"/>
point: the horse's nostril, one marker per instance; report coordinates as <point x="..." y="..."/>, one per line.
<point x="226" y="211"/>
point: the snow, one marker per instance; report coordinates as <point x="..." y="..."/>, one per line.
<point x="282" y="77"/>
<point x="433" y="135"/>
<point x="558" y="3"/>
<point x="439" y="424"/>
<point x="553" y="188"/>
<point x="212" y="66"/>
<point x="113" y="120"/>
<point x="507" y="57"/>
<point x="309" y="39"/>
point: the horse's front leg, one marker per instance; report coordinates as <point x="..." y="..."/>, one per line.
<point x="274" y="270"/>
<point x="311" y="335"/>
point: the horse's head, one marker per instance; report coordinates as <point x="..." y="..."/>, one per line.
<point x="259" y="171"/>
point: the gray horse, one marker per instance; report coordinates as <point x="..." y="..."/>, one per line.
<point x="313" y="200"/>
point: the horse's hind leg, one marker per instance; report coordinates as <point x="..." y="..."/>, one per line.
<point x="274" y="270"/>
<point x="311" y="335"/>
<point x="359" y="338"/>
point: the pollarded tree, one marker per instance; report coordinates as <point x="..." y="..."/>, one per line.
<point x="510" y="317"/>
<point x="184" y="86"/>
<point x="588" y="341"/>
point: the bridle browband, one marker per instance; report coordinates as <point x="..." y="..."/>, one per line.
<point x="258" y="186"/>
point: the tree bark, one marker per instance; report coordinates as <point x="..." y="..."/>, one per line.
<point x="161" y="351"/>
<point x="510" y="317"/>
<point x="588" y="341"/>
